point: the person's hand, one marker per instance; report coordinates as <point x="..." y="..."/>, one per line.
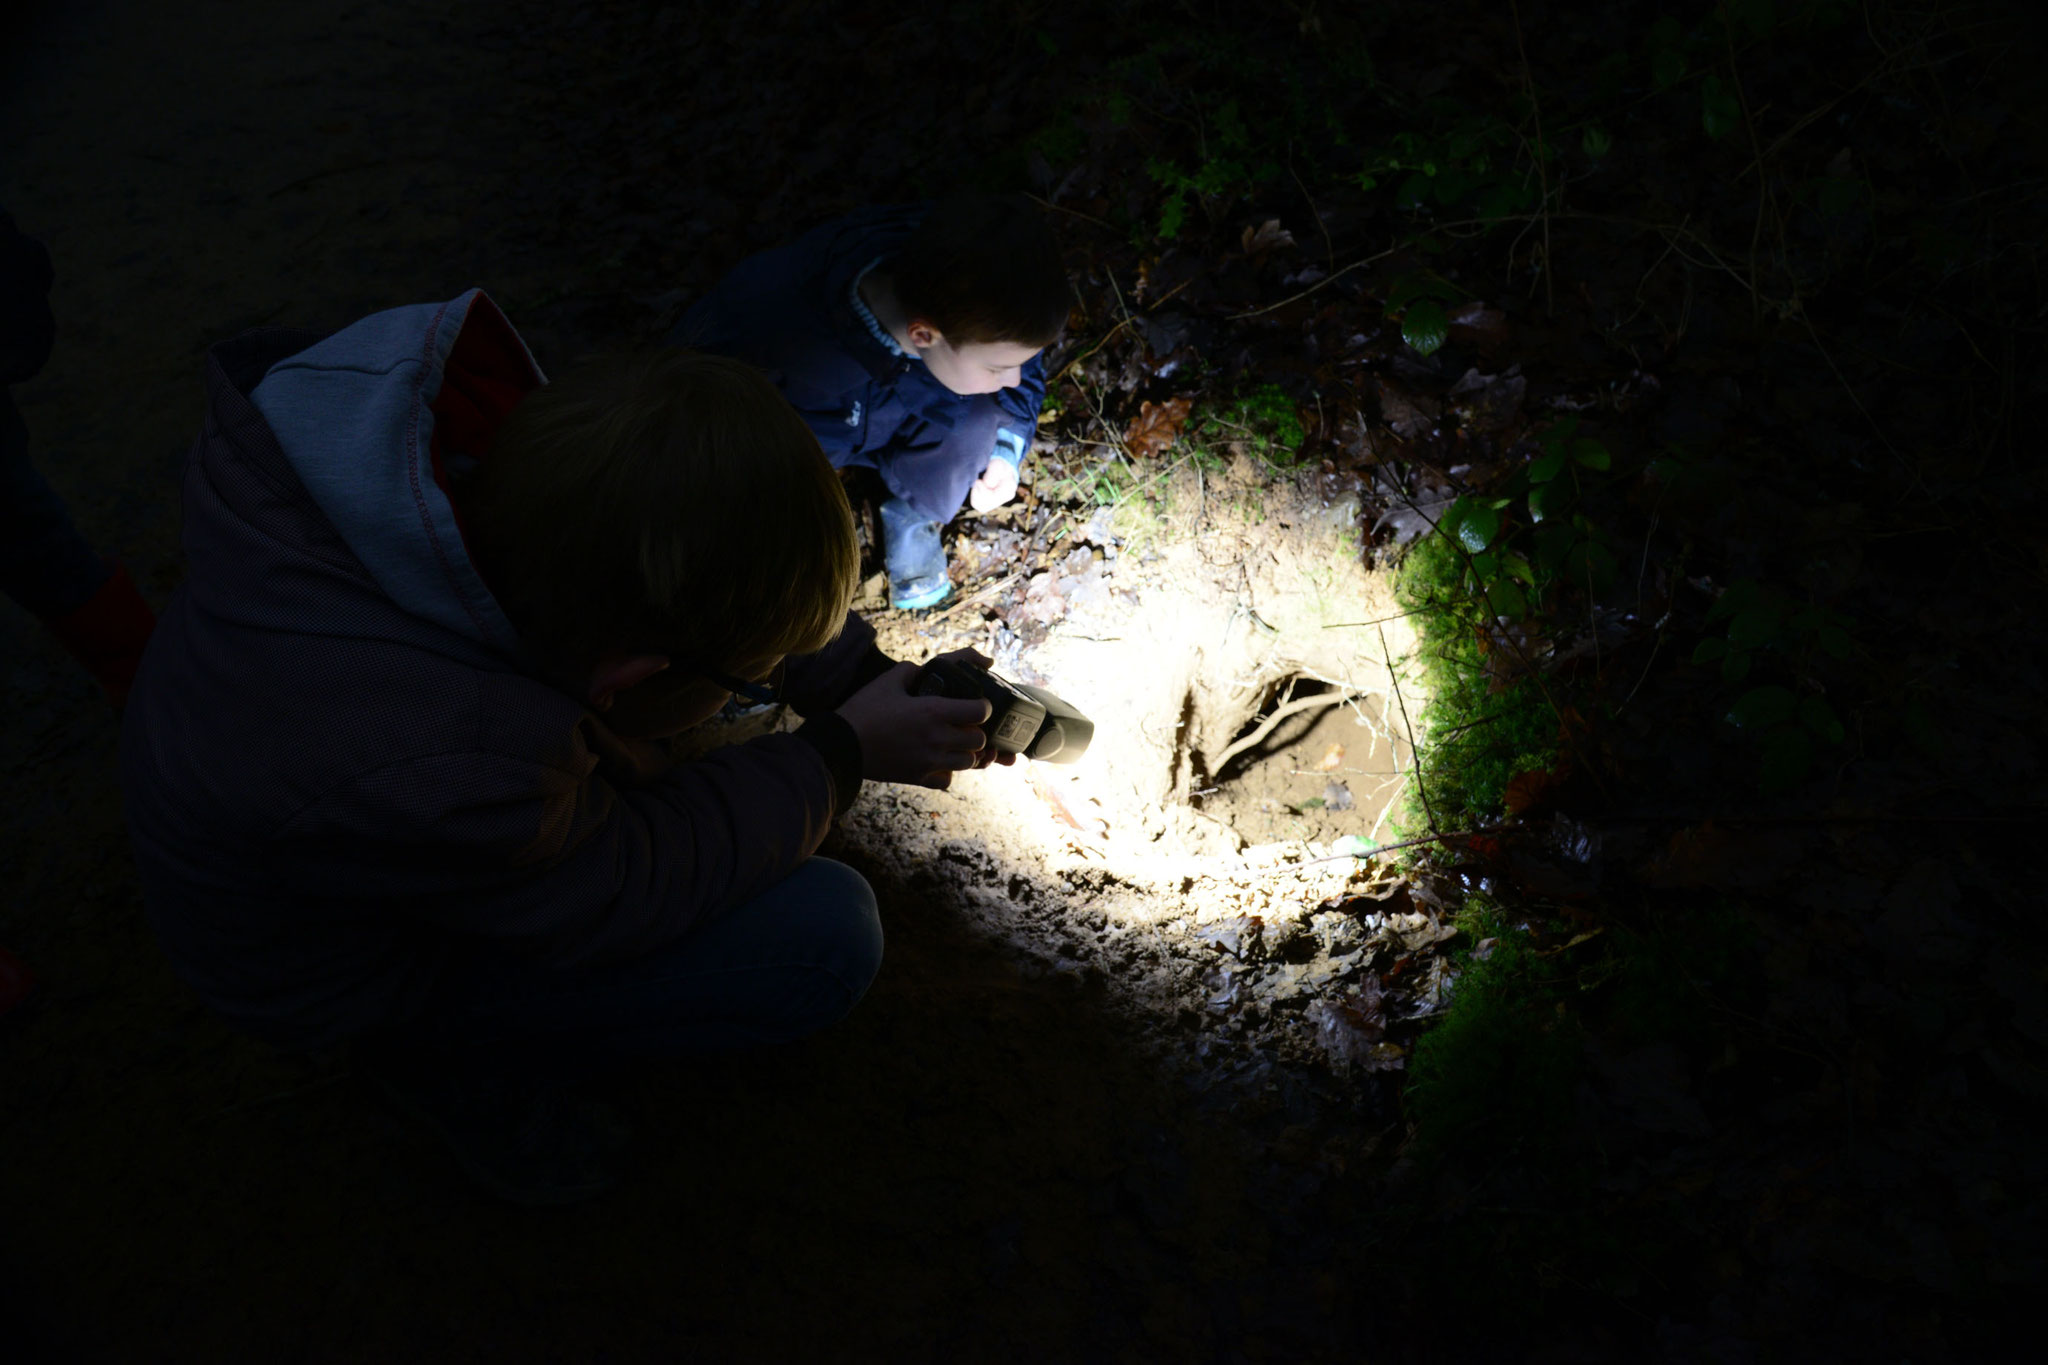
<point x="906" y="738"/>
<point x="996" y="486"/>
<point x="991" y="754"/>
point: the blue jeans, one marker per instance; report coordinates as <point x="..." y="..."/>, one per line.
<point x="787" y="963"/>
<point x="45" y="565"/>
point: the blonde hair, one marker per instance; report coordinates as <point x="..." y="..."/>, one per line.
<point x="664" y="501"/>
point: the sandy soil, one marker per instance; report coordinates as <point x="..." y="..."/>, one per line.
<point x="1087" y="1112"/>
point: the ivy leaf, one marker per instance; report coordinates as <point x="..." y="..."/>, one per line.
<point x="1817" y="716"/>
<point x="1477" y="528"/>
<point x="1740" y="595"/>
<point x="1547" y="500"/>
<point x="1591" y="454"/>
<point x="1762" y="708"/>
<point x="1735" y="667"/>
<point x="1719" y="109"/>
<point x="1755" y="627"/>
<point x="1425" y="327"/>
<point x="1710" y="650"/>
<point x="1553" y="542"/>
<point x="1547" y="467"/>
<point x="1506" y="598"/>
<point x="1518" y="567"/>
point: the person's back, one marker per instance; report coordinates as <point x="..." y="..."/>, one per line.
<point x="388" y="764"/>
<point x="909" y="338"/>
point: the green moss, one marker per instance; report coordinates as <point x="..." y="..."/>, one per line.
<point x="1497" y="1070"/>
<point x="1477" y="733"/>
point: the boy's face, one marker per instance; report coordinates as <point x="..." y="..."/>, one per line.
<point x="974" y="366"/>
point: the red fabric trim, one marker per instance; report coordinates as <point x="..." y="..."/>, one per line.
<point x="486" y="376"/>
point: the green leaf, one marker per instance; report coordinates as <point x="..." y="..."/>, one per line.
<point x="1553" y="542"/>
<point x="1485" y="565"/>
<point x="1425" y="327"/>
<point x="1740" y="595"/>
<point x="1313" y="803"/>
<point x="1761" y="708"/>
<point x="1667" y="67"/>
<point x="1720" y="111"/>
<point x="1549" y="500"/>
<point x="1591" y="454"/>
<point x="1817" y="716"/>
<point x="1709" y="650"/>
<point x="1591" y="566"/>
<point x="1419" y="285"/>
<point x="1735" y="667"/>
<point x="1787" y="754"/>
<point x="1518" y="567"/>
<point x="1548" y="466"/>
<point x="1596" y="143"/>
<point x="1478" y="528"/>
<point x="1506" y="598"/>
<point x="1834" y="642"/>
<point x="1755" y="627"/>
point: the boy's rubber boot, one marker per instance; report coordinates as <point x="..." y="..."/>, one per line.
<point x="107" y="633"/>
<point x="524" y="1140"/>
<point x="915" y="557"/>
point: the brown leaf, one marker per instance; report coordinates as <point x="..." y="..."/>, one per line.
<point x="1329" y="761"/>
<point x="1409" y="413"/>
<point x="1474" y="324"/>
<point x="1267" y="236"/>
<point x="1526" y="790"/>
<point x="1157" y="426"/>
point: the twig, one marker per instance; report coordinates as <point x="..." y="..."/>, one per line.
<point x="1414" y="753"/>
<point x="1375" y="852"/>
<point x="1296" y="298"/>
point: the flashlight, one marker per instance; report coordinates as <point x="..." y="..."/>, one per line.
<point x="1022" y="719"/>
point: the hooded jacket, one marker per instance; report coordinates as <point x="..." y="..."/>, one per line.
<point x="340" y="765"/>
<point x="790" y="312"/>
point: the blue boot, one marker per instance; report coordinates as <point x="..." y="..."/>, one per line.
<point x="914" y="557"/>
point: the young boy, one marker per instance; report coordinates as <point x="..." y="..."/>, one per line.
<point x="908" y="337"/>
<point x="387" y="762"/>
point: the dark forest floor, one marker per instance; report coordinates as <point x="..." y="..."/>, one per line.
<point x="1795" y="1116"/>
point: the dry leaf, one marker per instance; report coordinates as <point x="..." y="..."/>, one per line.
<point x="1329" y="761"/>
<point x="1267" y="236"/>
<point x="1158" y="426"/>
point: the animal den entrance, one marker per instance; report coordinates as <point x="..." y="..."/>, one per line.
<point x="1315" y="762"/>
<point x="1246" y="718"/>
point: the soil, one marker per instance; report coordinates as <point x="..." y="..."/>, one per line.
<point x="1016" y="1148"/>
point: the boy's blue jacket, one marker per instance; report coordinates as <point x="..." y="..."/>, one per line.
<point x="789" y="311"/>
<point x="340" y="765"/>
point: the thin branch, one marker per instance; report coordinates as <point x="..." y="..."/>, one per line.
<point x="1267" y="726"/>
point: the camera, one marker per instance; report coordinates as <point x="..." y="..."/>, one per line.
<point x="1023" y="720"/>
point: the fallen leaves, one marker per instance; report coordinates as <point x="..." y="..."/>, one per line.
<point x="1157" y="426"/>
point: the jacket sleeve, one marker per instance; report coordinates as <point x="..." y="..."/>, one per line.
<point x="820" y="682"/>
<point x="1019" y="407"/>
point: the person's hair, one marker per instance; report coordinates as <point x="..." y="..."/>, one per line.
<point x="664" y="501"/>
<point x="983" y="268"/>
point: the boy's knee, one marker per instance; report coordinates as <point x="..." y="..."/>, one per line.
<point x="849" y="926"/>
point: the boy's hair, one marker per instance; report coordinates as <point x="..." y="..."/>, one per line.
<point x="665" y="501"/>
<point x="982" y="268"/>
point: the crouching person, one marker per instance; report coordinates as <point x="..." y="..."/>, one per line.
<point x="389" y="764"/>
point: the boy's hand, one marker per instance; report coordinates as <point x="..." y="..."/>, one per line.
<point x="996" y="486"/>
<point x="905" y="738"/>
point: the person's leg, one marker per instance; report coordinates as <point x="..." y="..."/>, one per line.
<point x="930" y="470"/>
<point x="490" y="1065"/>
<point x="787" y="963"/>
